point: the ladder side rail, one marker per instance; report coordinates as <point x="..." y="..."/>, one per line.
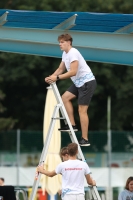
<point x="71" y="133"/>
<point x="74" y="139"/>
<point x="90" y="195"/>
<point x="93" y="194"/>
<point x="45" y="149"/>
<point x="34" y="188"/>
<point x="65" y="115"/>
<point x="56" y="93"/>
<point x="96" y="192"/>
<point x="49" y="133"/>
<point x="58" y="98"/>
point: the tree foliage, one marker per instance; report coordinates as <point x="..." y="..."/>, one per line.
<point x="22" y="86"/>
<point x="112" y="6"/>
<point x="5" y="123"/>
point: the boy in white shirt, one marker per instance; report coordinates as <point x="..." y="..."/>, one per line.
<point x="64" y="154"/>
<point x="73" y="172"/>
<point x="83" y="86"/>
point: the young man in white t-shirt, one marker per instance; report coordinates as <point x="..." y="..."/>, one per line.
<point x="73" y="172"/>
<point x="83" y="87"/>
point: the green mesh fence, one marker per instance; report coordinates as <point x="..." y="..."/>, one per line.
<point x="32" y="141"/>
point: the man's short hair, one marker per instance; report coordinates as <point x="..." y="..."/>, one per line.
<point x="2" y="179"/>
<point x="63" y="151"/>
<point x="65" y="37"/>
<point x="72" y="149"/>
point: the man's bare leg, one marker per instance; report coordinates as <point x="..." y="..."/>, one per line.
<point x="84" y="120"/>
<point x="67" y="97"/>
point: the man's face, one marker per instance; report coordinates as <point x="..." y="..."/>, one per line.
<point x="64" y="45"/>
<point x="131" y="186"/>
<point x="1" y="182"/>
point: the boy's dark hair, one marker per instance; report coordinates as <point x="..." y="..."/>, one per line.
<point x="128" y="181"/>
<point x="2" y="179"/>
<point x="63" y="151"/>
<point x="72" y="149"/>
<point x="65" y="37"/>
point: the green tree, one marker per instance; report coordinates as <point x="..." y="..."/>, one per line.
<point x="25" y="88"/>
<point x="112" y="6"/>
<point x="115" y="81"/>
<point x="6" y="123"/>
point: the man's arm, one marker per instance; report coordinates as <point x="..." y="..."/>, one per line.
<point x="72" y="72"/>
<point x="59" y="71"/>
<point x="90" y="181"/>
<point x="45" y="172"/>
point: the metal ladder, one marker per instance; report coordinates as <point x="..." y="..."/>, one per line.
<point x="60" y="107"/>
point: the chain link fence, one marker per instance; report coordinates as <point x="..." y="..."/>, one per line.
<point x="29" y="145"/>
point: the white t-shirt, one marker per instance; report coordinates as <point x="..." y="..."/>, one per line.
<point x="73" y="174"/>
<point x="84" y="73"/>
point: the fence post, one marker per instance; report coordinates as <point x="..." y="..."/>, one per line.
<point x="18" y="155"/>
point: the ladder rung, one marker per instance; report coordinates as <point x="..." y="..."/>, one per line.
<point x="58" y="118"/>
<point x="67" y="131"/>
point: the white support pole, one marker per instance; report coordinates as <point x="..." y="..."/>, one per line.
<point x="18" y="155"/>
<point x="109" y="190"/>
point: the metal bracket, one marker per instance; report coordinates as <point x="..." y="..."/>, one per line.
<point x="3" y="18"/>
<point x="125" y="29"/>
<point x="67" y="24"/>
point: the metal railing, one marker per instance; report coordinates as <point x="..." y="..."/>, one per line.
<point x="22" y="192"/>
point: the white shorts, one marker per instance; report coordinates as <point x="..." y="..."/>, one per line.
<point x="74" y="197"/>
